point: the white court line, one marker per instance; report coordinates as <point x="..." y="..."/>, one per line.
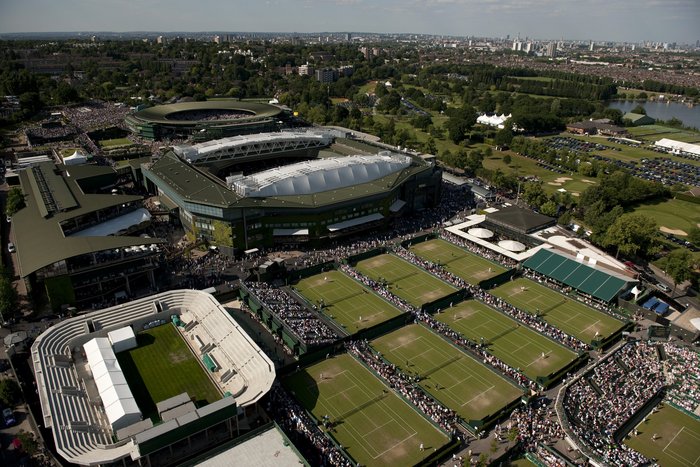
<point x="589" y="327"/>
<point x="405" y="343"/>
<point x="479" y="395"/>
<point x="674" y="438"/>
<point x="392" y="447"/>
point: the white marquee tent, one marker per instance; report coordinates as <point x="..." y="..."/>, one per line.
<point x="119" y="403"/>
<point x="122" y="339"/>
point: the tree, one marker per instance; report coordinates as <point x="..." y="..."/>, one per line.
<point x="639" y="109"/>
<point x="679" y="265"/>
<point x="694" y="235"/>
<point x="9" y="391"/>
<point x="533" y="194"/>
<point x="223" y="234"/>
<point x="430" y="147"/>
<point x="8" y="297"/>
<point x="15" y="201"/>
<point x="549" y="208"/>
<point x="504" y="136"/>
<point x="29" y="444"/>
<point x="507" y="159"/>
<point x="633" y="234"/>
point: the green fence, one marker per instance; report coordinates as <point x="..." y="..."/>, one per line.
<point x="553" y="378"/>
<point x="354" y="259"/>
<point x="498" y="280"/>
<point x="445" y="302"/>
<point x="419" y="239"/>
<point x="311" y="271"/>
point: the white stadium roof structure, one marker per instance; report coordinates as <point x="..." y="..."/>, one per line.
<point x="319" y="175"/>
<point x="74" y="410"/>
<point x="252" y="145"/>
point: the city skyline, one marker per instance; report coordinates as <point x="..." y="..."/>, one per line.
<point x="600" y="20"/>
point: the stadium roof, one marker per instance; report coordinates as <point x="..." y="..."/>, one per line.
<point x="192" y="184"/>
<point x="585" y="278"/>
<point x="202" y="150"/>
<point x="519" y="219"/>
<point x="40" y="240"/>
<point x="114" y="226"/>
<point x="320" y="175"/>
<point x="159" y="113"/>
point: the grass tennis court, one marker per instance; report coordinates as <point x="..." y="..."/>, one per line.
<point x="447" y="373"/>
<point x="677" y="442"/>
<point x="162" y="366"/>
<point x="372" y="423"/>
<point x="457" y="260"/>
<point x="112" y="143"/>
<point x="569" y="315"/>
<point x="404" y="279"/>
<point x="346" y="301"/>
<point x="517" y="345"/>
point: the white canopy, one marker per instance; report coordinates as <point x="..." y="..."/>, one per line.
<point x="122" y="339"/>
<point x="480" y="232"/>
<point x="511" y="245"/>
<point x="114" y="226"/>
<point x="678" y="146"/>
<point x="695" y="322"/>
<point x="119" y="403"/>
<point x="356" y="221"/>
<point x="76" y="158"/>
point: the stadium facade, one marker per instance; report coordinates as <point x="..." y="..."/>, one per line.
<point x="206" y="120"/>
<point x="86" y="398"/>
<point x="309" y="200"/>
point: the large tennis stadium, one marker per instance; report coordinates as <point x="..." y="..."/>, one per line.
<point x="289" y="187"/>
<point x="148" y="382"/>
<point x="206" y="120"/>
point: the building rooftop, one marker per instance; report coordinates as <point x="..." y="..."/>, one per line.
<point x="37" y="233"/>
<point x="522" y="220"/>
<point x="316" y="176"/>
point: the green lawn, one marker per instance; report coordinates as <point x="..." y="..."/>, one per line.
<point x="163" y="366"/>
<point x="674" y="214"/>
<point x="677" y="442"/>
<point x="517" y="345"/>
<point x="457" y="260"/>
<point x="567" y="314"/>
<point x="405" y="280"/>
<point x="110" y="143"/>
<point x="372" y="423"/>
<point x="523" y="166"/>
<point x="450" y="375"/>
<point x="346" y="301"/>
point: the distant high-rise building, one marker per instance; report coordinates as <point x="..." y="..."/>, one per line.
<point x="528" y="47"/>
<point x="160" y="40"/>
<point x="551" y="49"/>
<point x="347" y="37"/>
<point x="305" y="70"/>
<point x="517" y="46"/>
<point x="590" y="47"/>
<point x="217" y="39"/>
<point x="326" y="75"/>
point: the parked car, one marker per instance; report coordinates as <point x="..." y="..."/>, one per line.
<point x="8" y="416"/>
<point x="11" y="247"/>
<point x="663" y="287"/>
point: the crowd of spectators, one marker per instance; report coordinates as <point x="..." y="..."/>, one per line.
<point x="684" y="372"/>
<point x="536" y="424"/>
<point x="601" y="401"/>
<point x="196" y="271"/>
<point x="303" y="322"/>
<point x="208" y="115"/>
<point x="378" y="288"/>
<point x="478" y="250"/>
<point x="303" y="431"/>
<point x="95" y="114"/>
<point x="405" y="385"/>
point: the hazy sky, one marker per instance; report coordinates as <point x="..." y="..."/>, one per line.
<point x="618" y="20"/>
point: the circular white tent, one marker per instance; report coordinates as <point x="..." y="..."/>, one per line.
<point x="479" y="232"/>
<point x="511" y="245"/>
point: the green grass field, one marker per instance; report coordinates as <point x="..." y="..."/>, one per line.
<point x="372" y="423"/>
<point x="677" y="443"/>
<point x="567" y="314"/>
<point x="405" y="280"/>
<point x="162" y="366"/>
<point x="517" y="345"/>
<point x="111" y="143"/>
<point x="674" y="214"/>
<point x="522" y="166"/>
<point x="457" y="260"/>
<point x="447" y="373"/>
<point x="346" y="301"/>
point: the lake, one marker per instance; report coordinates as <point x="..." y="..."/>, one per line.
<point x="690" y="116"/>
